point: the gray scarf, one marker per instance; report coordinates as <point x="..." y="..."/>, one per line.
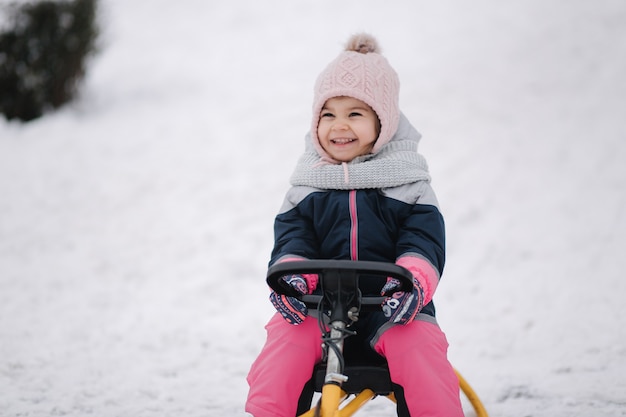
<point x="397" y="163"/>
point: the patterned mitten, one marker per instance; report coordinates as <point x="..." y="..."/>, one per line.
<point x="401" y="307"/>
<point x="293" y="310"/>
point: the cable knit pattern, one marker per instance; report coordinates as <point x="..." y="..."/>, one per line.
<point x="396" y="164"/>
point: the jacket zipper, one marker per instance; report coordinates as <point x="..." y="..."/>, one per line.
<point x="354" y="227"/>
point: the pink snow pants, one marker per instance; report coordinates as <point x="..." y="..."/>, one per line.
<point x="416" y="355"/>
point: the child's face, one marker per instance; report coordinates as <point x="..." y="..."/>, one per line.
<point x="347" y="128"/>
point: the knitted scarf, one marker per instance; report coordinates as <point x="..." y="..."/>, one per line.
<point x="397" y="163"/>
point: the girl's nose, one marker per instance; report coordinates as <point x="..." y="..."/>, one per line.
<point x="340" y="125"/>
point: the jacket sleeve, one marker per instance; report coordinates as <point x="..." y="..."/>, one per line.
<point x="294" y="233"/>
<point x="421" y="242"/>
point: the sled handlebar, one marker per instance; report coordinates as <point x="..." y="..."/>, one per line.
<point x="340" y="275"/>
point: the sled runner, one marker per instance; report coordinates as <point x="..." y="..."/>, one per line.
<point x="346" y="386"/>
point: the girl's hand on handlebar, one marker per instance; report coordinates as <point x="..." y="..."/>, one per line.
<point x="293" y="310"/>
<point x="401" y="307"/>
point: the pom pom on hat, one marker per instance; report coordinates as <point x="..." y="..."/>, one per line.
<point x="363" y="43"/>
<point x="361" y="72"/>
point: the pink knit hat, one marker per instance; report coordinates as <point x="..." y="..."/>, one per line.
<point x="360" y="72"/>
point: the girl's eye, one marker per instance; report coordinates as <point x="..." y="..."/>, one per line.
<point x="327" y="114"/>
<point x="355" y="114"/>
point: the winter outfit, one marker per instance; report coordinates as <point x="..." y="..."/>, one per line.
<point x="377" y="207"/>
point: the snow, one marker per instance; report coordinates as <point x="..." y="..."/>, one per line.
<point x="136" y="223"/>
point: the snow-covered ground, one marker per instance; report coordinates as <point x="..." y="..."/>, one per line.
<point x="136" y="223"/>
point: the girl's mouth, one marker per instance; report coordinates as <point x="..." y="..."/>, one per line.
<point x="342" y="141"/>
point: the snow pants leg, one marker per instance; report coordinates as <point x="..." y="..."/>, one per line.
<point x="417" y="359"/>
<point x="283" y="367"/>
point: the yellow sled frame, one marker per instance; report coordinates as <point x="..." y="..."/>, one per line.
<point x="333" y="397"/>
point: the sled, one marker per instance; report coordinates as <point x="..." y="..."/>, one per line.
<point x="346" y="388"/>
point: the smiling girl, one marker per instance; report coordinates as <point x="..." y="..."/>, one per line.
<point x="360" y="191"/>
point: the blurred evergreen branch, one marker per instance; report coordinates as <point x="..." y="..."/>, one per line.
<point x="43" y="50"/>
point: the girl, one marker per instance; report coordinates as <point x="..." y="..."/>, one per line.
<point x="360" y="191"/>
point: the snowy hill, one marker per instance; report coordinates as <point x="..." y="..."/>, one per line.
<point x="136" y="224"/>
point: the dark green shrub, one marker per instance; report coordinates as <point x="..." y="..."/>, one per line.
<point x="43" y="55"/>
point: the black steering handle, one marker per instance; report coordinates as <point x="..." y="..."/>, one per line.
<point x="336" y="270"/>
